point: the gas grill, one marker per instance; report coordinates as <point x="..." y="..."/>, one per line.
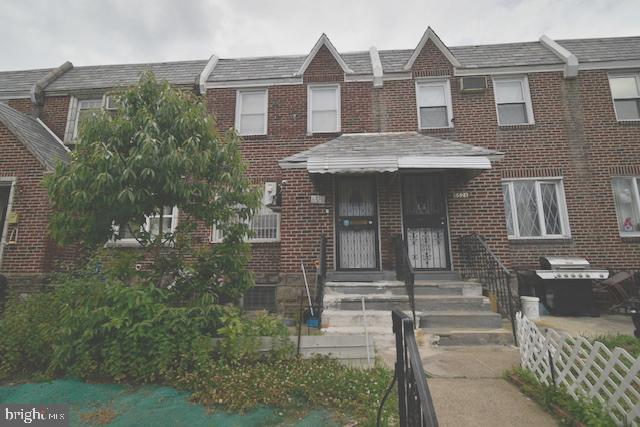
<point x="564" y="284"/>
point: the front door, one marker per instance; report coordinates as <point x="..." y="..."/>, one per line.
<point x="356" y="223"/>
<point x="424" y="208"/>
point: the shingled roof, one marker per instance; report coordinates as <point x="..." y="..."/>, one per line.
<point x="103" y="77"/>
<point x="32" y="133"/>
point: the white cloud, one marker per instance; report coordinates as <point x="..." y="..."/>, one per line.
<point x="41" y="33"/>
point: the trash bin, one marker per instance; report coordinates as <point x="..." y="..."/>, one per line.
<point x="530" y="307"/>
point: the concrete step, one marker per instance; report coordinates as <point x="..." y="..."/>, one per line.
<point x="455" y="337"/>
<point x="392" y="301"/>
<point x="460" y="319"/>
<point x="437" y="275"/>
<point x="360" y="276"/>
<point x="444" y="287"/>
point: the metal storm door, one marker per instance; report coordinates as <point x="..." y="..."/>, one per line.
<point x="424" y="207"/>
<point x="356" y="224"/>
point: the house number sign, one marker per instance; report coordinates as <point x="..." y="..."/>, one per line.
<point x="460" y="195"/>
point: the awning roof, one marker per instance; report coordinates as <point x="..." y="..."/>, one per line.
<point x="390" y="152"/>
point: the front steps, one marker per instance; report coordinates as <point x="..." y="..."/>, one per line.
<point x="451" y="311"/>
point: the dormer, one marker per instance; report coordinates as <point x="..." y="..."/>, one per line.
<point x="431" y="57"/>
<point x="323" y="63"/>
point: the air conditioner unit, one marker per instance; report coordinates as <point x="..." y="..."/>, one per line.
<point x="473" y="84"/>
<point x="269" y="196"/>
<point x="112" y="102"/>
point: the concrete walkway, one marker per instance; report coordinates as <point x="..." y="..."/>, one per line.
<point x="468" y="390"/>
<point x="467" y="386"/>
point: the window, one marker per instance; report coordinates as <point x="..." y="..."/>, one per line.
<point x="251" y="112"/>
<point x="265" y="225"/>
<point x="79" y="111"/>
<point x="323" y="109"/>
<point x="535" y="209"/>
<point x="260" y="297"/>
<point x="434" y="104"/>
<point x="625" y="91"/>
<point x="151" y="225"/>
<point x="627" y="198"/>
<point x="513" y="101"/>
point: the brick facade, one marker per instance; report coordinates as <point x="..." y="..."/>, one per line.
<point x="575" y="136"/>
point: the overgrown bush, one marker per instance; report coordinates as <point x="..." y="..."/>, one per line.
<point x="103" y="329"/>
<point x="629" y="343"/>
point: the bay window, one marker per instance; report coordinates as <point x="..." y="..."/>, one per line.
<point x="535" y="209"/>
<point x="627" y="199"/>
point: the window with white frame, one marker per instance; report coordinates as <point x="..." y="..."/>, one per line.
<point x="626" y="192"/>
<point x="323" y="108"/>
<point x="513" y="101"/>
<point x="151" y="225"/>
<point x="79" y="111"/>
<point x="264" y="225"/>
<point x="535" y="209"/>
<point x="434" y="104"/>
<point x="625" y="90"/>
<point x="251" y="112"/>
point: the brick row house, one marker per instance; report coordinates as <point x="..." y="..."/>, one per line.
<point x="535" y="146"/>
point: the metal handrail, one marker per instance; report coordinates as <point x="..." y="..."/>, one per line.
<point x="406" y="272"/>
<point x="415" y="405"/>
<point x="480" y="263"/>
<point x="321" y="271"/>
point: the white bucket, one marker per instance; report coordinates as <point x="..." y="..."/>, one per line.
<point x="530" y="307"/>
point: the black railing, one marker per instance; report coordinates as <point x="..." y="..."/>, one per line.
<point x="406" y="272"/>
<point x="480" y="263"/>
<point x="321" y="271"/>
<point x="415" y="406"/>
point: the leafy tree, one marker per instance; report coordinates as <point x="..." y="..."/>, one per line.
<point x="159" y="149"/>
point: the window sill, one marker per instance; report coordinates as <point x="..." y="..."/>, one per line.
<point x="129" y="244"/>
<point x="635" y="122"/>
<point x="325" y="134"/>
<point x="631" y="235"/>
<point x="440" y="129"/>
<point x="538" y="240"/>
<point x="251" y="242"/>
<point x="517" y="127"/>
<point x="254" y="137"/>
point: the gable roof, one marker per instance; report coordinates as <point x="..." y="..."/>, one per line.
<point x="323" y="41"/>
<point x="431" y="35"/>
<point x="36" y="137"/>
<point x="19" y="83"/>
<point x="604" y="49"/>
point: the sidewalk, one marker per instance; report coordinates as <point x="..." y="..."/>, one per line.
<point x="468" y="390"/>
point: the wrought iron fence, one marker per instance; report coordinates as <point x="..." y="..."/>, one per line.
<point x="406" y="272"/>
<point x="480" y="263"/>
<point x="415" y="406"/>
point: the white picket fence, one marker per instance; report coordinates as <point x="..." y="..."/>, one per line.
<point x="584" y="369"/>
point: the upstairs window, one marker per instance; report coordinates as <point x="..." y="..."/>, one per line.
<point x="126" y="234"/>
<point x="79" y="111"/>
<point x="535" y="209"/>
<point x="627" y="198"/>
<point x="251" y="112"/>
<point x="513" y="101"/>
<point x="434" y="104"/>
<point x="265" y="227"/>
<point x="625" y="91"/>
<point x="323" y="108"/>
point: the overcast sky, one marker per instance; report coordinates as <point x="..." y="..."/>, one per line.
<point x="45" y="33"/>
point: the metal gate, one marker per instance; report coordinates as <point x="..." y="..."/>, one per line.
<point x="424" y="207"/>
<point x="356" y="223"/>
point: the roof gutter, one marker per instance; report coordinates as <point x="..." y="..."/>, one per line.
<point x="571" y="63"/>
<point x="37" y="90"/>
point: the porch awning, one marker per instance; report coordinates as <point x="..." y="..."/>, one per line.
<point x="390" y="152"/>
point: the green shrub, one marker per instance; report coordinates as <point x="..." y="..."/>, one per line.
<point x="629" y="343"/>
<point x="108" y="330"/>
<point x="588" y="411"/>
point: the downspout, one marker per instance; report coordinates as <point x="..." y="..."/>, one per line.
<point x="37" y="90"/>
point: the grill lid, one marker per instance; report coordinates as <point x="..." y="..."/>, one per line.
<point x="564" y="263"/>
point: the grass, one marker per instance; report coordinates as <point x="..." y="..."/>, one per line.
<point x="589" y="412"/>
<point x="629" y="343"/>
